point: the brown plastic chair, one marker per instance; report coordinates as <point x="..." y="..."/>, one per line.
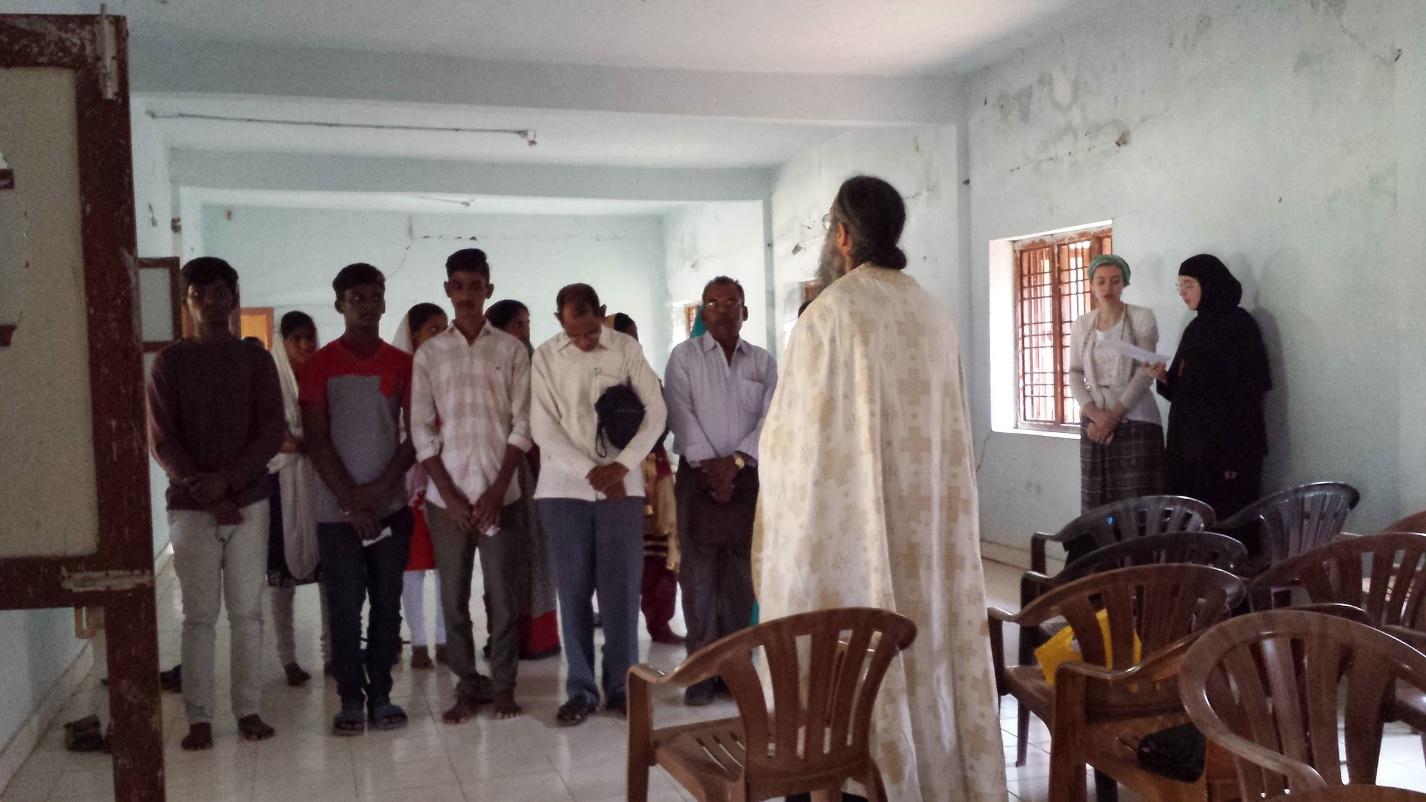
<point x="1097" y="710"/>
<point x="1122" y="520"/>
<point x="1356" y="793"/>
<point x="1198" y="548"/>
<point x="1265" y="687"/>
<point x="1383" y="575"/>
<point x="790" y="748"/>
<point x="1286" y="524"/>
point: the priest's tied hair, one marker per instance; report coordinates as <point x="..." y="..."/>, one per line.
<point x="874" y="214"/>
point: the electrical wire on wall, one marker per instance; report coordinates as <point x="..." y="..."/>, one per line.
<point x="527" y="134"/>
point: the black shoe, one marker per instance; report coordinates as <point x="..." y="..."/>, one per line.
<point x="701" y="694"/>
<point x="617" y="703"/>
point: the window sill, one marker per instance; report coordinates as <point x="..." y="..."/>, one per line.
<point x="1040" y="433"/>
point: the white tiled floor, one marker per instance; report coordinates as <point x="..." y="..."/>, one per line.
<point x="525" y="759"/>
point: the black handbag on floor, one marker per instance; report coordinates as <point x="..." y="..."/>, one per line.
<point x="1176" y="753"/>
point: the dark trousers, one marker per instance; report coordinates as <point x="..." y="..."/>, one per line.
<point x="717" y="581"/>
<point x="353" y="574"/>
<point x="455" y="560"/>
<point x="598" y="548"/>
<point x="656" y="596"/>
<point x="1207" y="483"/>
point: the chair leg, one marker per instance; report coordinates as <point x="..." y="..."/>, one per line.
<point x="1022" y="733"/>
<point x="1067" y="781"/>
<point x="638" y="779"/>
<point x="1423" y="743"/>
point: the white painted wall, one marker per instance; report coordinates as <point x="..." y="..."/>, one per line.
<point x="287" y="259"/>
<point x="153" y="213"/>
<point x="705" y="240"/>
<point x="1263" y="132"/>
<point x="921" y="163"/>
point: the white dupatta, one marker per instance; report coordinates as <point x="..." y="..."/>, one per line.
<point x="296" y="479"/>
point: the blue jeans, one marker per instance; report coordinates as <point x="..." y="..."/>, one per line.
<point x="598" y="547"/>
<point x="351" y="573"/>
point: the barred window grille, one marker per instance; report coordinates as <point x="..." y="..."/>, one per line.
<point x="1051" y="290"/>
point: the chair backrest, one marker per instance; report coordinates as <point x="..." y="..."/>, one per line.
<point x="1140" y="517"/>
<point x="841" y="655"/>
<point x="1299" y="519"/>
<point x="1384" y="575"/>
<point x="1266" y="687"/>
<point x="1198" y="548"/>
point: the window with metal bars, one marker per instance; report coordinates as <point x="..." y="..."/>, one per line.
<point x="1051" y="290"/>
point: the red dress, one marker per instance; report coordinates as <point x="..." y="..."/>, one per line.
<point x="423" y="554"/>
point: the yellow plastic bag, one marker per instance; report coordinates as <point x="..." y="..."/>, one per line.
<point x="1062" y="649"/>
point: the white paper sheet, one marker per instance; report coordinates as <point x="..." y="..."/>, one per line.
<point x="1135" y="352"/>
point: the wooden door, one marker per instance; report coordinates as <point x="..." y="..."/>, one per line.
<point x="73" y="469"/>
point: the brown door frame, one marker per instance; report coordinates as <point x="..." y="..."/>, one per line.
<point x="119" y="576"/>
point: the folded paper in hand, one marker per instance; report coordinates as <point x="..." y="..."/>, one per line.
<point x="1136" y="353"/>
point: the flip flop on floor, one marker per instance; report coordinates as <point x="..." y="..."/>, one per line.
<point x="387" y="716"/>
<point x="575" y="711"/>
<point x="349" y="722"/>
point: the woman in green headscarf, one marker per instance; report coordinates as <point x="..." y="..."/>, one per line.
<point x="1121" y="433"/>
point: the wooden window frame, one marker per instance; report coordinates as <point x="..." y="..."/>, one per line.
<point x="1061" y="320"/>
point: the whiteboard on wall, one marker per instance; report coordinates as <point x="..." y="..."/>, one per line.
<point x="47" y="467"/>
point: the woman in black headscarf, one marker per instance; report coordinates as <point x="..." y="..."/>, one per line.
<point x="1215" y="387"/>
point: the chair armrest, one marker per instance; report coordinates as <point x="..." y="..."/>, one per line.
<point x="1037" y="551"/>
<point x="996" y="618"/>
<point x="1032" y="584"/>
<point x="640" y="700"/>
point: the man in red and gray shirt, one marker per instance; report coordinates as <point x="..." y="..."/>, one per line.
<point x="355" y="397"/>
<point x="215" y="419"/>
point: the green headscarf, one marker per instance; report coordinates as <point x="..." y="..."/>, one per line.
<point x="1109" y="259"/>
<point x="698" y="328"/>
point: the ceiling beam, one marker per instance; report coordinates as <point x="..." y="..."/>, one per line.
<point x="341" y="173"/>
<point x="169" y="65"/>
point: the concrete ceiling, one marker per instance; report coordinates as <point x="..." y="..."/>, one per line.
<point x="563" y="137"/>
<point x="829" y="37"/>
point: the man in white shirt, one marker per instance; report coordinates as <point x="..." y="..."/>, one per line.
<point x="718" y="389"/>
<point x="470" y="421"/>
<point x="590" y="493"/>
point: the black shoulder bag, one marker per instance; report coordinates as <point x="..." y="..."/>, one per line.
<point x="620" y="414"/>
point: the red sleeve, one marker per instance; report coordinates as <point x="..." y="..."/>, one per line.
<point x="312" y="384"/>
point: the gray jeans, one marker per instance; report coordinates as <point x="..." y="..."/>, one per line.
<point x="217" y="565"/>
<point x="598" y="548"/>
<point x="455" y="562"/>
<point x="284" y="625"/>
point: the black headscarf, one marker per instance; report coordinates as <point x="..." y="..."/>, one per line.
<point x="1218" y="376"/>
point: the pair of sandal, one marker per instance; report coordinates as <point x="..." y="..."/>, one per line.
<point x="579" y="708"/>
<point x="380" y="715"/>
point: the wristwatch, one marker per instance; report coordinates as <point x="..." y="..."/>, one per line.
<point x="739" y="461"/>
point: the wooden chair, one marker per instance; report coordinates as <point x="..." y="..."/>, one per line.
<point x="1356" y="793"/>
<point x="1122" y="520"/>
<point x="1383" y="575"/>
<point x="1265" y="687"/>
<point x="1098" y="709"/>
<point x="1415" y="522"/>
<point x="1288" y="523"/>
<point x="792" y="747"/>
<point x="1199" y="548"/>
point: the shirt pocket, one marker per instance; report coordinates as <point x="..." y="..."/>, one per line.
<point x="750" y="396"/>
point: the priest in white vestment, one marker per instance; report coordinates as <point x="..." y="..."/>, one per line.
<point x="869" y="499"/>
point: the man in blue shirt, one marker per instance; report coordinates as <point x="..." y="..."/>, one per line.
<point x="717" y="388"/>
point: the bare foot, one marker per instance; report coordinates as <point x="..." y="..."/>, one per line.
<point x="505" y="706"/>
<point x="199" y="737"/>
<point x="462" y="711"/>
<point x="253" y="728"/>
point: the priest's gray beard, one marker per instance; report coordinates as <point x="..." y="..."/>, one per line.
<point x="832" y="265"/>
